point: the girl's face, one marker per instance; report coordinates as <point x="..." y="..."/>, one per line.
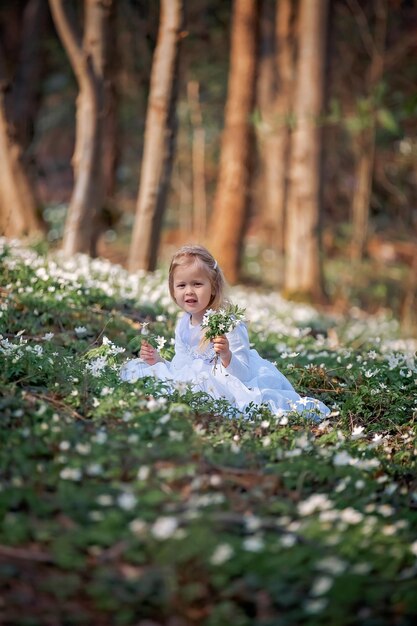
<point x="192" y="289"/>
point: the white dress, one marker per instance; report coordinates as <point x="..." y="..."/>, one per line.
<point x="247" y="379"/>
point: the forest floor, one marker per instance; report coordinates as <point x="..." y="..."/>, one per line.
<point x="149" y="504"/>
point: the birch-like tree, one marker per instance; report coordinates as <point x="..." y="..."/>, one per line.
<point x="303" y="271"/>
<point x="274" y="95"/>
<point x="87" y="56"/>
<point x="231" y="200"/>
<point x="160" y="134"/>
<point x="375" y="43"/>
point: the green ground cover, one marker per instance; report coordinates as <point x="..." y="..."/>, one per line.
<point x="130" y="504"/>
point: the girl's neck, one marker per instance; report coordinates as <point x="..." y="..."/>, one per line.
<point x="195" y="322"/>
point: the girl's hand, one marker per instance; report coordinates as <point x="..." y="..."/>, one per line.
<point x="149" y="354"/>
<point x="221" y="347"/>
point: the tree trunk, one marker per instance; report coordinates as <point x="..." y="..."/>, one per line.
<point x="275" y="86"/>
<point x="22" y="103"/>
<point x="87" y="62"/>
<point x="366" y="145"/>
<point x="111" y="63"/>
<point x="160" y="134"/>
<point x="303" y="272"/>
<point x="18" y="214"/>
<point x="230" y="208"/>
<point x="198" y="162"/>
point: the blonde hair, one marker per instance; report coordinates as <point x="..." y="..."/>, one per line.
<point x="198" y="254"/>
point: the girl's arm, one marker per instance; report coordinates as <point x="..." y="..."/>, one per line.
<point x="234" y="351"/>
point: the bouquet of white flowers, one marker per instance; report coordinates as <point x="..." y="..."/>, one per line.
<point x="221" y="321"/>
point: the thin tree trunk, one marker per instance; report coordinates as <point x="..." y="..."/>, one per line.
<point x="105" y="67"/>
<point x="275" y="98"/>
<point x="366" y="148"/>
<point x="18" y="214"/>
<point x="303" y="272"/>
<point x="198" y="161"/>
<point x="111" y="61"/>
<point x="230" y="208"/>
<point x="24" y="96"/>
<point x="87" y="63"/>
<point x="160" y="134"/>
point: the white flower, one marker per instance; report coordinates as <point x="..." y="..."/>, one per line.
<point x="321" y="586"/>
<point x="342" y="458"/>
<point x="361" y="569"/>
<point x="315" y="606"/>
<point x="377" y="439"/>
<point x="332" y="565"/>
<point x="175" y="435"/>
<point x="69" y="473"/>
<point x="96" y="516"/>
<point x="367" y="464"/>
<point x="316" y="502"/>
<point x="154" y="404"/>
<point x="127" y="501"/>
<point x="94" y="469"/>
<point x="181" y="386"/>
<point x="101" y="437"/>
<point x="80" y="331"/>
<point x="351" y="515"/>
<point x="221" y="554"/>
<point x="252" y="523"/>
<point x="288" y="540"/>
<point x="97" y="366"/>
<point x="328" y="516"/>
<point x="164" y="527"/>
<point x="385" y="510"/>
<point x="253" y="544"/>
<point x="104" y="499"/>
<point x="48" y="336"/>
<point x="138" y="526"/>
<point x="413" y="548"/>
<point x="357" y="432"/>
<point x="143" y="472"/>
<point x="160" y="342"/>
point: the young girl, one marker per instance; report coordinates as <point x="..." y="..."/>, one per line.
<point x="196" y="284"/>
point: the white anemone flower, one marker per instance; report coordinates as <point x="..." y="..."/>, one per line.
<point x="221" y="554"/>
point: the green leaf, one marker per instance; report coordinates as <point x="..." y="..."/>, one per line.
<point x="387" y="120"/>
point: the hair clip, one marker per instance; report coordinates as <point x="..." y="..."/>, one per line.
<point x="215" y="264"/>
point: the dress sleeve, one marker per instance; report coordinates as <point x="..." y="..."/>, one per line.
<point x="180" y="353"/>
<point x="240" y="349"/>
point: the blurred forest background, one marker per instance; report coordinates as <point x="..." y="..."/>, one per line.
<point x="281" y="134"/>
